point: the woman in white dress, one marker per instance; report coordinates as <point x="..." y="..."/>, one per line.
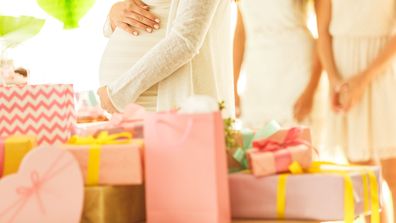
<point x="279" y="59"/>
<point x="357" y="46"/>
<point x="191" y="53"/>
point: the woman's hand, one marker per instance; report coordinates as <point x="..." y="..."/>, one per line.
<point x="352" y="91"/>
<point x="334" y="90"/>
<point x="132" y="16"/>
<point x="105" y="101"/>
<point x="303" y="106"/>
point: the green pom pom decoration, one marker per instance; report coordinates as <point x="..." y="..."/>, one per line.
<point x="15" y="30"/>
<point x="67" y="11"/>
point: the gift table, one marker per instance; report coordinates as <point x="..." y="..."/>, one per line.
<point x="275" y="221"/>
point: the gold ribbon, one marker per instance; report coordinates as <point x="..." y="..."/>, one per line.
<point x="94" y="154"/>
<point x="375" y="202"/>
<point x="349" y="204"/>
<point x="281" y="196"/>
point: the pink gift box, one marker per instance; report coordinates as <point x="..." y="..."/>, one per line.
<point x="131" y="120"/>
<point x="47" y="188"/>
<point x="120" y="164"/>
<point x="267" y="163"/>
<point x="318" y="197"/>
<point x="46" y="111"/>
<point x="279" y="151"/>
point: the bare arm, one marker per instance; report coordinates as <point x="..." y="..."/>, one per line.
<point x="304" y="104"/>
<point x="316" y="72"/>
<point x="239" y="50"/>
<point x="323" y="11"/>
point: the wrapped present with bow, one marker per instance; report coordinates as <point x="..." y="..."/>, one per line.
<point x="323" y="192"/>
<point x="108" y="159"/>
<point x="275" y="153"/>
<point x="245" y="138"/>
<point x="131" y="120"/>
<point x="114" y="204"/>
<point x="12" y="150"/>
<point x="47" y="188"/>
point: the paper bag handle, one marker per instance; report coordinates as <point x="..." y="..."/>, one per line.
<point x="186" y="133"/>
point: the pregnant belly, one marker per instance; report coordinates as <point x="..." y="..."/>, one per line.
<point x="124" y="49"/>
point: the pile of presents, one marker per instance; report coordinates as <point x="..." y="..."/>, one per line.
<point x="164" y="167"/>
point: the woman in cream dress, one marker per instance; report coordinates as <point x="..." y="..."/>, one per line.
<point x="278" y="60"/>
<point x="190" y="54"/>
<point x="358" y="48"/>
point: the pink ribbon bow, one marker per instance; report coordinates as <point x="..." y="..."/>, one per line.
<point x="27" y="193"/>
<point x="133" y="113"/>
<point x="291" y="139"/>
<point x="34" y="189"/>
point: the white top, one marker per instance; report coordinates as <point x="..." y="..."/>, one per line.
<point x="277" y="61"/>
<point x="195" y="57"/>
<point x="268" y="18"/>
<point x="377" y="17"/>
<point x="124" y="50"/>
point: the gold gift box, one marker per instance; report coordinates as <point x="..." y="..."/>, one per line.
<point x="15" y="149"/>
<point x="114" y="204"/>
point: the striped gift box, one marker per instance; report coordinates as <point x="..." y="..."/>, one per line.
<point x="46" y="111"/>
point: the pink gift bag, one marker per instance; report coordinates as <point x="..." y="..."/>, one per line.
<point x="186" y="171"/>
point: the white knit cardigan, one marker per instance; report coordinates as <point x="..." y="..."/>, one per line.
<point x="195" y="57"/>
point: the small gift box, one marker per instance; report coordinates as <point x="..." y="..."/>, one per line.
<point x="45" y="111"/>
<point x="119" y="204"/>
<point x="246" y="138"/>
<point x="276" y="153"/>
<point x="131" y="120"/>
<point x="323" y="193"/>
<point x="12" y="151"/>
<point x="108" y="159"/>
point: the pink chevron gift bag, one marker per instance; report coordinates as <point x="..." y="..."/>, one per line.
<point x="185" y="169"/>
<point x="45" y="111"/>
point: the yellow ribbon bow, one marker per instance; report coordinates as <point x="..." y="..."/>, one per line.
<point x="96" y="143"/>
<point x="349" y="204"/>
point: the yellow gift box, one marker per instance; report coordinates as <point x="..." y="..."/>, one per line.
<point x="12" y="150"/>
<point x="118" y="204"/>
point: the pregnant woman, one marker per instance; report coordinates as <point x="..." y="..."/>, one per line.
<point x="279" y="59"/>
<point x="190" y="52"/>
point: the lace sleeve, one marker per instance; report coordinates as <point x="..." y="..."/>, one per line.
<point x="182" y="43"/>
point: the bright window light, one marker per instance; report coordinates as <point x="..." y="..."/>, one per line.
<point x="61" y="56"/>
